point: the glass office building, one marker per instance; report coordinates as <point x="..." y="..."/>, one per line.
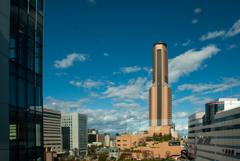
<point x="21" y="52"/>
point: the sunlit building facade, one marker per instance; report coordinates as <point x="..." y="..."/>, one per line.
<point x="160" y="94"/>
<point x="74" y="132"/>
<point x="21" y="51"/>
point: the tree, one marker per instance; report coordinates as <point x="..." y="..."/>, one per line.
<point x="138" y="155"/>
<point x="102" y="157"/>
<point x="152" y="154"/>
<point x="145" y="153"/>
<point x="168" y="153"/>
<point x="117" y="134"/>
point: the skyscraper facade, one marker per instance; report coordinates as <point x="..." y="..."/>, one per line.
<point x="21" y="51"/>
<point x="160" y="94"/>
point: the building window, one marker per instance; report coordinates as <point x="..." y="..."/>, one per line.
<point x="118" y="140"/>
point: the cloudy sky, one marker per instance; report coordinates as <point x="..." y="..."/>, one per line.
<point x="98" y="57"/>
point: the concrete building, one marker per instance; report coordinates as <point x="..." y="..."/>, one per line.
<point x="195" y="122"/>
<point x="217" y="138"/>
<point x="74" y="132"/>
<point x="21" y="51"/>
<point x="52" y="139"/>
<point x="101" y="138"/>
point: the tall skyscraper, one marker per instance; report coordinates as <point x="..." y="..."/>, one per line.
<point x="21" y="51"/>
<point x="160" y="94"/>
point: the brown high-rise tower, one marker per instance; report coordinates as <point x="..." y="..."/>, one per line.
<point x="160" y="94"/>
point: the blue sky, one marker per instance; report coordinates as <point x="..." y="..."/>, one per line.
<point x="98" y="57"/>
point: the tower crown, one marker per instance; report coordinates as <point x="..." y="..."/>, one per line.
<point x="160" y="43"/>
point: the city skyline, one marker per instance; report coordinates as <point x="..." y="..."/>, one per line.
<point x="101" y="64"/>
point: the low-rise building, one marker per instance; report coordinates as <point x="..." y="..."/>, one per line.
<point x="52" y="139"/>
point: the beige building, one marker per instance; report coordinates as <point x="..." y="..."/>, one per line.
<point x="52" y="130"/>
<point x="160" y="94"/>
<point x="160" y="111"/>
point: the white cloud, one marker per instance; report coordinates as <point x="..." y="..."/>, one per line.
<point x="234" y="30"/>
<point x="130" y="69"/>
<point x="197" y="10"/>
<point x="116" y="72"/>
<point x="196" y="110"/>
<point x="189" y="61"/>
<point x="105" y="54"/>
<point x="59" y="74"/>
<point x="93" y="94"/>
<point x="212" y="35"/>
<point x="135" y="89"/>
<point x="77" y="77"/>
<point x="149" y="70"/>
<point x="71" y="82"/>
<point x="187" y="43"/>
<point x="232" y="46"/>
<point x="51" y="102"/>
<point x="104" y="120"/>
<point x="176" y="44"/>
<point x="193" y="99"/>
<point x="109" y="82"/>
<point x="226" y="84"/>
<point x="195" y="21"/>
<point x="89" y="83"/>
<point x="126" y="106"/>
<point x="179" y="115"/>
<point x="67" y="62"/>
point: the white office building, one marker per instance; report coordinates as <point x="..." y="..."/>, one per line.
<point x="215" y="133"/>
<point x="74" y="132"/>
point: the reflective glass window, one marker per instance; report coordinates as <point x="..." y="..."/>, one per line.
<point x="31" y="135"/>
<point x="39" y="34"/>
<point x="21" y="72"/>
<point x="30" y="76"/>
<point x="12" y="133"/>
<point x="14" y="13"/>
<point x="38" y="49"/>
<point x="38" y="98"/>
<point x="32" y="12"/>
<point x="12" y="113"/>
<point x="21" y="93"/>
<point x="31" y="153"/>
<point x="38" y="64"/>
<point x="30" y="59"/>
<point x="12" y="90"/>
<point x="30" y="95"/>
<point x="23" y="4"/>
<point x="31" y="114"/>
<point x="13" y="32"/>
<point x="22" y="114"/>
<point x="22" y="154"/>
<point x="13" y="155"/>
<point x="40" y="19"/>
<point x="22" y="25"/>
<point x="38" y="135"/>
<point x="22" y="51"/>
<point x="12" y="54"/>
<point x="39" y="80"/>
<point x="31" y="27"/>
<point x="22" y="134"/>
<point x="40" y="6"/>
<point x="32" y="3"/>
<point x="22" y="38"/>
<point x="31" y="44"/>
